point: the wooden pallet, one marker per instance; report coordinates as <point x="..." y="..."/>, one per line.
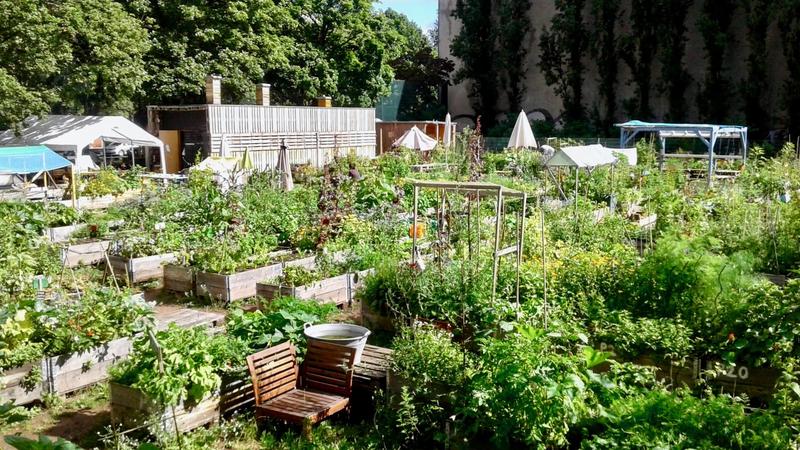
<point x="187" y="318"/>
<point x="371" y="373"/>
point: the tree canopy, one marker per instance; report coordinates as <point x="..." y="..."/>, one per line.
<point x="116" y="56"/>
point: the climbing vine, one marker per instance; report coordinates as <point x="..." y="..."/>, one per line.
<point x="716" y="90"/>
<point x="606" y="15"/>
<point x="758" y="14"/>
<point x="674" y="77"/>
<point x="637" y="49"/>
<point x="563" y="47"/>
<point x="474" y="46"/>
<point x="512" y="48"/>
<point x="789" y="24"/>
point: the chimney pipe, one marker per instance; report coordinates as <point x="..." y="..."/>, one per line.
<point x="214" y="90"/>
<point x="262" y="94"/>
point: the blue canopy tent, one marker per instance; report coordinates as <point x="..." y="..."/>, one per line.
<point x="708" y="134"/>
<point x="33" y="159"/>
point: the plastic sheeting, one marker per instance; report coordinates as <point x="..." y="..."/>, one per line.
<point x="587" y="156"/>
<point x="522" y="136"/>
<point x="30" y="159"/>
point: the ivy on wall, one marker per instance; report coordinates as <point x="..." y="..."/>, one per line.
<point x="605" y="50"/>
<point x="638" y="49"/>
<point x="563" y="47"/>
<point x="512" y="48"/>
<point x="716" y="90"/>
<point x="474" y="46"/>
<point x="789" y="24"/>
<point x="758" y="13"/>
<point x="674" y="77"/>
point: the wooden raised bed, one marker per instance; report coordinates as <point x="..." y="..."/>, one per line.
<point x="237" y="286"/>
<point x="12" y="381"/>
<point x="757" y="382"/>
<point x="84" y="253"/>
<point x="673" y="372"/>
<point x="137" y="270"/>
<point x="375" y="320"/>
<point x="339" y="290"/>
<point x="67" y="373"/>
<point x="131" y="408"/>
<point x="179" y="278"/>
<point x="62" y="234"/>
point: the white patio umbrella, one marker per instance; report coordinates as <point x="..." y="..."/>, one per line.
<point x="285" y="169"/>
<point x="522" y="136"/>
<point x="448" y="124"/>
<point x="416" y="139"/>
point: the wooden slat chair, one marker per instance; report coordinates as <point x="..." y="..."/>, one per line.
<point x="328" y="381"/>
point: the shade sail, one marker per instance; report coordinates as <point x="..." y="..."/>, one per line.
<point x="416" y="139"/>
<point x="30" y="159"/>
<point x="522" y="136"/>
<point x="588" y="156"/>
<point x="74" y="133"/>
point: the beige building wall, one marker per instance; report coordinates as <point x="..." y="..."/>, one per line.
<point x="539" y="95"/>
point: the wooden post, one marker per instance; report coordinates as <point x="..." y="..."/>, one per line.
<point x="497" y="227"/>
<point x="521" y="240"/>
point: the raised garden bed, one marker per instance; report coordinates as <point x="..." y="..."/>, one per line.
<point x="673" y="372"/>
<point x="757" y="382"/>
<point x="84" y="253"/>
<point x="178" y="278"/>
<point x="339" y="289"/>
<point x="67" y="373"/>
<point x="137" y="270"/>
<point x="62" y="234"/>
<point x="132" y="408"/>
<point x="236" y="286"/>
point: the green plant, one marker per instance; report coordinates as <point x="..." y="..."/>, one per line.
<point x="43" y="443"/>
<point x="105" y="182"/>
<point x="185" y="370"/>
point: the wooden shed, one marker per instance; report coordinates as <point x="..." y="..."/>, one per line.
<point x="388" y="132"/>
<point x="312" y="134"/>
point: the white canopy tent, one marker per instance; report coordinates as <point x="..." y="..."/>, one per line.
<point x="415" y="139"/>
<point x="522" y="136"/>
<point x="590" y="156"/>
<point x="75" y="133"/>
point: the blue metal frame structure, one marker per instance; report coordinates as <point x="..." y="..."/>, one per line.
<point x="708" y="134"/>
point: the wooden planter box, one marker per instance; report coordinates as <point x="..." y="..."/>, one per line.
<point x="62" y="234"/>
<point x="647" y="222"/>
<point x="674" y="373"/>
<point x="68" y="373"/>
<point x="179" y="278"/>
<point x="84" y="253"/>
<point x="374" y="320"/>
<point x="137" y="270"/>
<point x="339" y="290"/>
<point x="237" y="286"/>
<point x="757" y="382"/>
<point x="12" y="380"/>
<point x="131" y="408"/>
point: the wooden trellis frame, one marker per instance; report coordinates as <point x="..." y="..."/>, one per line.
<point x="481" y="190"/>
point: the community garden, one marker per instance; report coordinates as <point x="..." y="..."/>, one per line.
<point x="514" y="305"/>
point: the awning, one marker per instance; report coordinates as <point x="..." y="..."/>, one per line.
<point x="74" y="133"/>
<point x="588" y="156"/>
<point x="30" y="159"/>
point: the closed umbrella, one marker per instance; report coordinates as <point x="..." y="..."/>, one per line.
<point x="522" y="136"/>
<point x="447" y="126"/>
<point x="415" y="139"/>
<point x="285" y="169"/>
<point x="247" y="162"/>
